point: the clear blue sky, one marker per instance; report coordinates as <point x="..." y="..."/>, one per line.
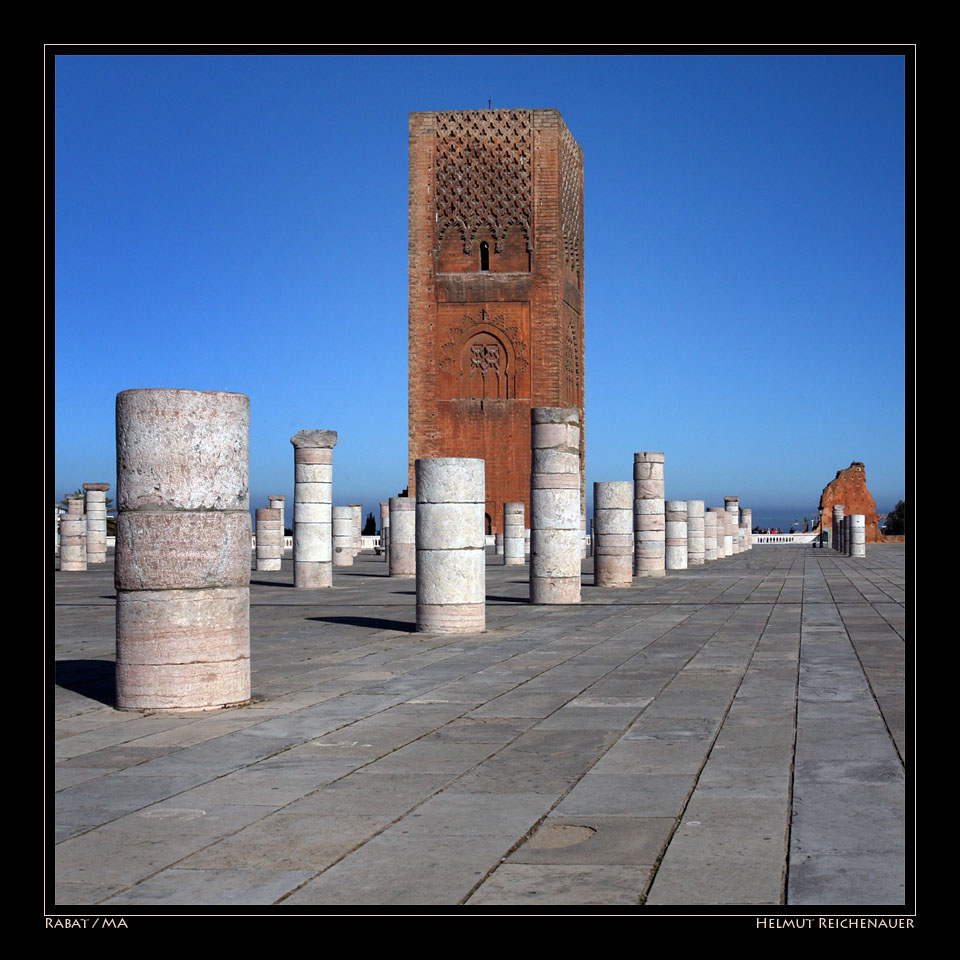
<point x="240" y="223"/>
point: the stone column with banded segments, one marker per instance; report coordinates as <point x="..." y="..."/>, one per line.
<point x="73" y="535"/>
<point x="675" y="553"/>
<point x="183" y="550"/>
<point x="732" y="506"/>
<point x="555" y="532"/>
<point x="269" y="538"/>
<point x="385" y="529"/>
<point x="279" y="503"/>
<point x="724" y="548"/>
<point x="613" y="533"/>
<point x="498" y="544"/>
<point x="403" y="537"/>
<point x="709" y="535"/>
<point x="357" y="509"/>
<point x="746" y="522"/>
<point x="312" y="508"/>
<point x="96" y="511"/>
<point x="838" y="527"/>
<point x="649" y="556"/>
<point x="344" y="536"/>
<point x="451" y="545"/>
<point x="696" y="545"/>
<point x="846" y="534"/>
<point x="513" y="538"/>
<point x="858" y="535"/>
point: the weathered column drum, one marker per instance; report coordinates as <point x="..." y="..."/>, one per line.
<point x="183" y="550"/>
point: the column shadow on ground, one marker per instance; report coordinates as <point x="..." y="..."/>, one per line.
<point x="94" y="679"/>
<point x="376" y="623"/>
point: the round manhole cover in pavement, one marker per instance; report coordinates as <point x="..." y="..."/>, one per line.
<point x="555" y="835"/>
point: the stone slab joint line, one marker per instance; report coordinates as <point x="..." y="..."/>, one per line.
<point x="645" y="892"/>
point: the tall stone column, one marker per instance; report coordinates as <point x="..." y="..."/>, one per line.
<point x="858" y="535"/>
<point x="746" y="521"/>
<point x="357" y="509"/>
<point x="649" y="525"/>
<point x="269" y="538"/>
<point x="73" y="535"/>
<point x="312" y="508"/>
<point x="676" y="534"/>
<point x="555" y="533"/>
<point x="451" y="545"/>
<point x="344" y="536"/>
<point x="613" y="533"/>
<point x="96" y="511"/>
<point x="403" y="537"/>
<point x="709" y="535"/>
<point x="732" y="505"/>
<point x="696" y="546"/>
<point x="385" y="529"/>
<point x="513" y="533"/>
<point x="838" y="527"/>
<point x="279" y="503"/>
<point x="183" y="550"/>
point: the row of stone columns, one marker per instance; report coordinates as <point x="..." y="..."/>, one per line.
<point x="849" y="532"/>
<point x="83" y="528"/>
<point x="182" y="571"/>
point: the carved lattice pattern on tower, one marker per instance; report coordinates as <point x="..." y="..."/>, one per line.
<point x="571" y="201"/>
<point x="483" y="174"/>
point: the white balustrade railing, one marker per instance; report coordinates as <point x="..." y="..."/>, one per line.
<point x="783" y="537"/>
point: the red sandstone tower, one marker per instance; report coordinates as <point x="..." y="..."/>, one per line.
<point x="496" y="289"/>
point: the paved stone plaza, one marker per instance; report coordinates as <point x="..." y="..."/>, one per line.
<point x="732" y="733"/>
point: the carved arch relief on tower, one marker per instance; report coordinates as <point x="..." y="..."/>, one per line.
<point x="483" y="354"/>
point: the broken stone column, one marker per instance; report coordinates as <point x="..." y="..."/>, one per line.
<point x="846" y="534"/>
<point x="724" y="546"/>
<point x="357" y="509"/>
<point x="73" y="535"/>
<point x="403" y="537"/>
<point x="385" y="528"/>
<point x="279" y="503"/>
<point x="709" y="535"/>
<point x="838" y="527"/>
<point x="555" y="533"/>
<point x="183" y="550"/>
<point x="649" y="548"/>
<point x="312" y="508"/>
<point x="526" y="542"/>
<point x="344" y="536"/>
<point x="96" y="511"/>
<point x="746" y="522"/>
<point x="498" y="544"/>
<point x="513" y="537"/>
<point x="732" y="505"/>
<point x="451" y="545"/>
<point x="696" y="546"/>
<point x="858" y="535"/>
<point x="583" y="536"/>
<point x="269" y="538"/>
<point x="613" y="533"/>
<point x="675" y="553"/>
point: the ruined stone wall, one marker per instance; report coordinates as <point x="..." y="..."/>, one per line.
<point x="849" y="487"/>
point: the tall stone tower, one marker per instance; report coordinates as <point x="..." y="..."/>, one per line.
<point x="496" y="289"/>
